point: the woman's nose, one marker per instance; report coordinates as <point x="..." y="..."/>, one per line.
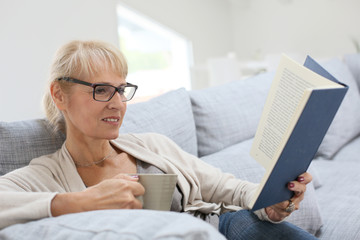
<point x="117" y="100"/>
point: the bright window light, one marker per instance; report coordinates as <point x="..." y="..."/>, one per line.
<point x="159" y="59"/>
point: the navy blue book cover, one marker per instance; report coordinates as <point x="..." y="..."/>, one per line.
<point x="304" y="140"/>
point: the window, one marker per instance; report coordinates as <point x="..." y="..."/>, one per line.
<point x="159" y="59"/>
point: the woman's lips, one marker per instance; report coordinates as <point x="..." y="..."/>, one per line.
<point x="111" y="120"/>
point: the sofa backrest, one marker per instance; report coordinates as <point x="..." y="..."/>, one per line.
<point x="203" y="123"/>
<point x="22" y="141"/>
<point x="353" y="63"/>
<point x="228" y="114"/>
<point x="346" y="124"/>
<point x="169" y="114"/>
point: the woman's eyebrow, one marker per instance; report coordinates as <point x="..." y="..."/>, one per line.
<point x="107" y="83"/>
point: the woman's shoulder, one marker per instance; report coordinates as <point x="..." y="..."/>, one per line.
<point x="37" y="176"/>
<point x="48" y="159"/>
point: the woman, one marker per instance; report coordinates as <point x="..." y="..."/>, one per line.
<point x="87" y="100"/>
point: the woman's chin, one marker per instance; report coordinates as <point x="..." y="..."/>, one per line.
<point x="108" y="135"/>
<point x="113" y="136"/>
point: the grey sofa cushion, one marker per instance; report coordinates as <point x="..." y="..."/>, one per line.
<point x="340" y="194"/>
<point x="353" y="63"/>
<point x="115" y="224"/>
<point x="22" y="141"/>
<point x="237" y="161"/>
<point x="346" y="124"/>
<point x="169" y="114"/>
<point x="228" y="114"/>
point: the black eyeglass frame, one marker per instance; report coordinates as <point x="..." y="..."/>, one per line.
<point x="94" y="85"/>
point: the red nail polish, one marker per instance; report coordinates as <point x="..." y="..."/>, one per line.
<point x="300" y="179"/>
<point x="291" y="185"/>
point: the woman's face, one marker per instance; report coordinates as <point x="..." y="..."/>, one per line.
<point x="86" y="117"/>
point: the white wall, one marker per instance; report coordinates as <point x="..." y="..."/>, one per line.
<point x="30" y="33"/>
<point x="256" y="30"/>
<point x="321" y="28"/>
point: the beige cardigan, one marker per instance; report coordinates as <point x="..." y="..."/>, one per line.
<point x="26" y="193"/>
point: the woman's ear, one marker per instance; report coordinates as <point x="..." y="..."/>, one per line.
<point x="57" y="95"/>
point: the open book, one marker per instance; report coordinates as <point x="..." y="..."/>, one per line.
<point x="299" y="109"/>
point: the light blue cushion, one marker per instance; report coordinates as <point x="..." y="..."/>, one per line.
<point x="353" y="63"/>
<point x="228" y="114"/>
<point x="346" y="124"/>
<point x="115" y="224"/>
<point x="169" y="114"/>
<point x="339" y="195"/>
<point x="22" y="141"/>
<point x="237" y="161"/>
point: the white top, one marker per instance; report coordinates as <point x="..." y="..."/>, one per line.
<point x="26" y="193"/>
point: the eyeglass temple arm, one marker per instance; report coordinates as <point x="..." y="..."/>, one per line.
<point x="74" y="80"/>
<point x="132" y="85"/>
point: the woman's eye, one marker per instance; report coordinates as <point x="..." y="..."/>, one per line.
<point x="121" y="91"/>
<point x="102" y="90"/>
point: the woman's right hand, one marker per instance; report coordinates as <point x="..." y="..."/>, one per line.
<point x="119" y="192"/>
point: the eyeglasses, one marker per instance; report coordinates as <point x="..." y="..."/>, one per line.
<point x="104" y="92"/>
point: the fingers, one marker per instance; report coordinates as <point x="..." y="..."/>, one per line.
<point x="297" y="188"/>
<point x="126" y="194"/>
<point x="305" y="178"/>
<point x="130" y="177"/>
<point x="120" y="192"/>
<point x="130" y="183"/>
<point x="278" y="211"/>
<point x="283" y="207"/>
<point x="137" y="189"/>
<point x="131" y="202"/>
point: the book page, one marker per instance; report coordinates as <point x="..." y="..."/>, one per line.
<point x="284" y="104"/>
<point x="285" y="101"/>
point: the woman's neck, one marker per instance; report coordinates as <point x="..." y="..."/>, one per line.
<point x="88" y="152"/>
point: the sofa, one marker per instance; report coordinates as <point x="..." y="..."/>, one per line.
<point x="217" y="124"/>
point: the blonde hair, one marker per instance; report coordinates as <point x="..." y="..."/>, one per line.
<point x="85" y="58"/>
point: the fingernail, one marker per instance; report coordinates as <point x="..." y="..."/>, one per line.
<point x="134" y="176"/>
<point x="300" y="179"/>
<point x="291" y="185"/>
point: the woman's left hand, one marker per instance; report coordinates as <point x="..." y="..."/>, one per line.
<point x="278" y="211"/>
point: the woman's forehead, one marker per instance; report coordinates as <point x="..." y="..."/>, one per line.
<point x="109" y="77"/>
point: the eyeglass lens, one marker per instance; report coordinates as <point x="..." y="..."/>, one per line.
<point x="106" y="92"/>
